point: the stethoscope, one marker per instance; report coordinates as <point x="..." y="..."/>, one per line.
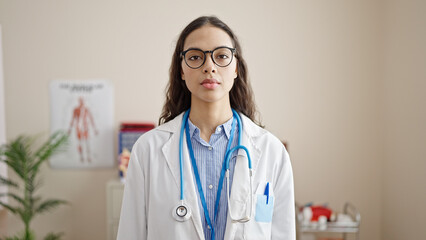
<point x="182" y="211"/>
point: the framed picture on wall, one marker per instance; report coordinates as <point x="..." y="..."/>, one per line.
<point x="84" y="110"/>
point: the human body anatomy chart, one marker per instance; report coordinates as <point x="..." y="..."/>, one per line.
<point x="84" y="110"/>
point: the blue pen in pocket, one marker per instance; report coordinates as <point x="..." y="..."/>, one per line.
<point x="266" y="193"/>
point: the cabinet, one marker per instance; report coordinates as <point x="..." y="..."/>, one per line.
<point x="114" y="192"/>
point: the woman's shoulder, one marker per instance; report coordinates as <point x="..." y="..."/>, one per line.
<point x="160" y="133"/>
<point x="259" y="134"/>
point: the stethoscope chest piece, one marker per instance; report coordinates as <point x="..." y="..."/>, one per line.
<point x="181" y="212"/>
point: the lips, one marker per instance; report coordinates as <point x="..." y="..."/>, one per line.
<point x="210" y="83"/>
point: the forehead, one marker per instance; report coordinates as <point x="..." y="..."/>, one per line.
<point x="207" y="38"/>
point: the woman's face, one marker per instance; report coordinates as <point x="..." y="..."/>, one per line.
<point x="209" y="83"/>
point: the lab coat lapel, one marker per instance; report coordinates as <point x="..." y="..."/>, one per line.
<point x="240" y="192"/>
<point x="171" y="154"/>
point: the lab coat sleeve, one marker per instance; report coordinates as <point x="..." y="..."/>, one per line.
<point x="283" y="222"/>
<point x="133" y="223"/>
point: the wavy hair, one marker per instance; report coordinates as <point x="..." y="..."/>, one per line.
<point x="178" y="97"/>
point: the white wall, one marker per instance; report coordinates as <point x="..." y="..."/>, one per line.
<point x="3" y="167"/>
<point x="316" y="67"/>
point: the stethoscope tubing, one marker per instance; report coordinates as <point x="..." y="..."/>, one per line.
<point x="225" y="168"/>
<point x="182" y="130"/>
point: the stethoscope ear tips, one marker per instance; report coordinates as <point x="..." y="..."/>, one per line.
<point x="181" y="213"/>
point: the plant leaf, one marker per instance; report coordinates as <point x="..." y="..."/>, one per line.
<point x="53" y="236"/>
<point x="16" y="197"/>
<point x="4" y="181"/>
<point x="23" y="236"/>
<point x="12" y="238"/>
<point x="30" y="186"/>
<point x="12" y="209"/>
<point x="49" y="205"/>
<point x="18" y="155"/>
<point x="26" y="215"/>
<point x="50" y="147"/>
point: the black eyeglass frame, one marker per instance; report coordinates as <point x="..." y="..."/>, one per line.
<point x="183" y="53"/>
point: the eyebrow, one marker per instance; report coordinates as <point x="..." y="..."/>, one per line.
<point x="196" y="48"/>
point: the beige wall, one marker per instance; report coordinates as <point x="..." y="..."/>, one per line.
<point x="324" y="81"/>
<point x="405" y="114"/>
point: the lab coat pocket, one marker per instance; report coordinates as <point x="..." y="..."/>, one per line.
<point x="264" y="202"/>
<point x="260" y="226"/>
<point x="264" y="208"/>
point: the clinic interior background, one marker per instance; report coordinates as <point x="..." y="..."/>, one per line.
<point x="341" y="81"/>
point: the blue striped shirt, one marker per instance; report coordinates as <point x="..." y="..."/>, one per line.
<point x="209" y="158"/>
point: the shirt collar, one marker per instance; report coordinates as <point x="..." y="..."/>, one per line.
<point x="227" y="126"/>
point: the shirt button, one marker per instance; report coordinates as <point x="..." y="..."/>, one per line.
<point x="210" y="148"/>
<point x="210" y="186"/>
<point x="208" y="227"/>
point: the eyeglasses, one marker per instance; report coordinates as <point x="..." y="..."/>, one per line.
<point x="195" y="58"/>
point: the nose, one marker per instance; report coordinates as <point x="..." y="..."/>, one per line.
<point x="209" y="65"/>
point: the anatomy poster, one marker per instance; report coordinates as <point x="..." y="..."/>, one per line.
<point x="83" y="109"/>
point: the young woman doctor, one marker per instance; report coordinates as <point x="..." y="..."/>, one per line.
<point x="208" y="171"/>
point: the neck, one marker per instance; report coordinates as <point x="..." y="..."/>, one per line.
<point x="207" y="118"/>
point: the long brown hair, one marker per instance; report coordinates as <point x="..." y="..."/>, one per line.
<point x="178" y="97"/>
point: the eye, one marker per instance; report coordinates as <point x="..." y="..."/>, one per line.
<point x="223" y="56"/>
<point x="194" y="58"/>
<point x="194" y="55"/>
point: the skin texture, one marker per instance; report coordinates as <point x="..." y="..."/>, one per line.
<point x="210" y="104"/>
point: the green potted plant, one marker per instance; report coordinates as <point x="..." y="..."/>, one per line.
<point x="22" y="156"/>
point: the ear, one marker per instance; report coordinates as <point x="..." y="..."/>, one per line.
<point x="182" y="75"/>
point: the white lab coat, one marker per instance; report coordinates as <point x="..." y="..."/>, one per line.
<point x="152" y="189"/>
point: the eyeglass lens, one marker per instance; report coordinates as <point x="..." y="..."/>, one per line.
<point x="195" y="58"/>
